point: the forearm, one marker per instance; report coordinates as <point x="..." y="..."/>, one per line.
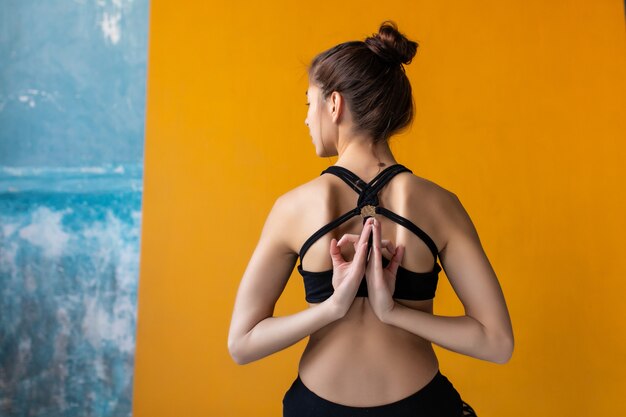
<point x="273" y="334"/>
<point x="461" y="334"/>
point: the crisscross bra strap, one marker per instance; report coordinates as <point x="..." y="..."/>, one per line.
<point x="412" y="227"/>
<point x="356" y="183"/>
<point x="368" y="196"/>
<point x="325" y="229"/>
<point x="368" y="192"/>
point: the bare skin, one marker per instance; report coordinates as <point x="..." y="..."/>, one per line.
<point x="367" y="351"/>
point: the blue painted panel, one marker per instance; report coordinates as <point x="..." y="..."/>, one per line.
<point x="68" y="288"/>
<point x="72" y="81"/>
<point x="72" y="99"/>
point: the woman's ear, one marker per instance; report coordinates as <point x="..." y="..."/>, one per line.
<point x="336" y="106"/>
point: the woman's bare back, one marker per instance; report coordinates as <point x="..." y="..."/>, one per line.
<point x="358" y="360"/>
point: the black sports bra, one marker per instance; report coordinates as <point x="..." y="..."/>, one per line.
<point x="410" y="285"/>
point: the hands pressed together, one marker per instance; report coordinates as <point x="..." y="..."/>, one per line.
<point x="347" y="275"/>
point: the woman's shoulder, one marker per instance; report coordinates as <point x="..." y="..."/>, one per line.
<point x="442" y="203"/>
<point x="432" y="206"/>
<point x="424" y="190"/>
<point x="295" y="205"/>
<point x="295" y="199"/>
<point x="302" y="195"/>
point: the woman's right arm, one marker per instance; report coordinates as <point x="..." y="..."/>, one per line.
<point x="254" y="331"/>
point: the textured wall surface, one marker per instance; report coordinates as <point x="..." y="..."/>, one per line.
<point x="72" y="99"/>
<point x="72" y="82"/>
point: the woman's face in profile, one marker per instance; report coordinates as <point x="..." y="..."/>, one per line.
<point x="314" y="116"/>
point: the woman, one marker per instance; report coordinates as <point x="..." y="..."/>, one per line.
<point x="370" y="230"/>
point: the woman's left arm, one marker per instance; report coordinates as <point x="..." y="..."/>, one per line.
<point x="485" y="331"/>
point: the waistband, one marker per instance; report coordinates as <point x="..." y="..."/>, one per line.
<point x="438" y="387"/>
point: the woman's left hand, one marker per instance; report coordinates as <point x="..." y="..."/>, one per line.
<point x="381" y="282"/>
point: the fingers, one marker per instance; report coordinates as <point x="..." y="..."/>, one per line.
<point x="376" y="243"/>
<point x="335" y="253"/>
<point x="361" y="247"/>
<point x="387" y="244"/>
<point x="359" y="242"/>
<point x="396" y="260"/>
<point x="365" y="233"/>
<point x="352" y="238"/>
<point x="398" y="252"/>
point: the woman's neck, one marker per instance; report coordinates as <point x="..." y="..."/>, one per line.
<point x="364" y="157"/>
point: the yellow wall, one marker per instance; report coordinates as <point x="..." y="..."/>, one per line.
<point x="520" y="112"/>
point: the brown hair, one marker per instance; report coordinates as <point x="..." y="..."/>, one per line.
<point x="370" y="76"/>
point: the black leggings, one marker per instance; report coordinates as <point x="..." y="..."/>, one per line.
<point x="438" y="398"/>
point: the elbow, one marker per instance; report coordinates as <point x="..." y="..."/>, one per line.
<point x="504" y="352"/>
<point x="235" y="351"/>
<point x="496" y="345"/>
<point x="237" y="359"/>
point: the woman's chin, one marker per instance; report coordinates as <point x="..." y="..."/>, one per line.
<point x="323" y="154"/>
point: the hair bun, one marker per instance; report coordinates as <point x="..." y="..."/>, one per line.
<point x="390" y="45"/>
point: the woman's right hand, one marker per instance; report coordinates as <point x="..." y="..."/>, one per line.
<point x="347" y="276"/>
